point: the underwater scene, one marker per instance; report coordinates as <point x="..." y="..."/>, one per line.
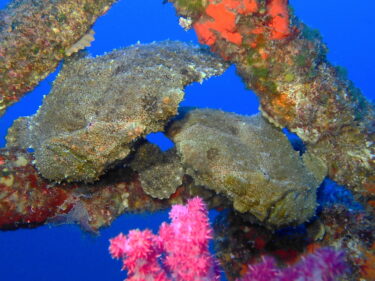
<point x="187" y="140"/>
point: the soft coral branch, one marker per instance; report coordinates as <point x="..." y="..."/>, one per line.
<point x="325" y="264"/>
<point x="180" y="251"/>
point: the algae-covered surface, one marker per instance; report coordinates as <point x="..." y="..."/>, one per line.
<point x="113" y="111"/>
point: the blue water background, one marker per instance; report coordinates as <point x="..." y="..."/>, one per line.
<point x="65" y="253"/>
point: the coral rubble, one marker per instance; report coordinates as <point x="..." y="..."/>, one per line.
<point x="36" y="35"/>
<point x="248" y="160"/>
<point x="28" y="200"/>
<point x="100" y="106"/>
<point x="285" y="63"/>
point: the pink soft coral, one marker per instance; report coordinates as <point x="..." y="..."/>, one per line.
<point x="140" y="251"/>
<point x="180" y="251"/>
<point x="325" y="264"/>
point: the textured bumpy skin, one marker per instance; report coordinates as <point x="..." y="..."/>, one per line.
<point x="99" y="106"/>
<point x="284" y="62"/>
<point x="250" y="161"/>
<point x="160" y="173"/>
<point x="35" y="35"/>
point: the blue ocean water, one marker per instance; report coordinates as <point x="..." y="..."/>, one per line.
<point x="65" y="252"/>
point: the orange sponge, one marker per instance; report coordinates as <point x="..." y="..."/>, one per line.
<point x="223" y="21"/>
<point x="278" y="10"/>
